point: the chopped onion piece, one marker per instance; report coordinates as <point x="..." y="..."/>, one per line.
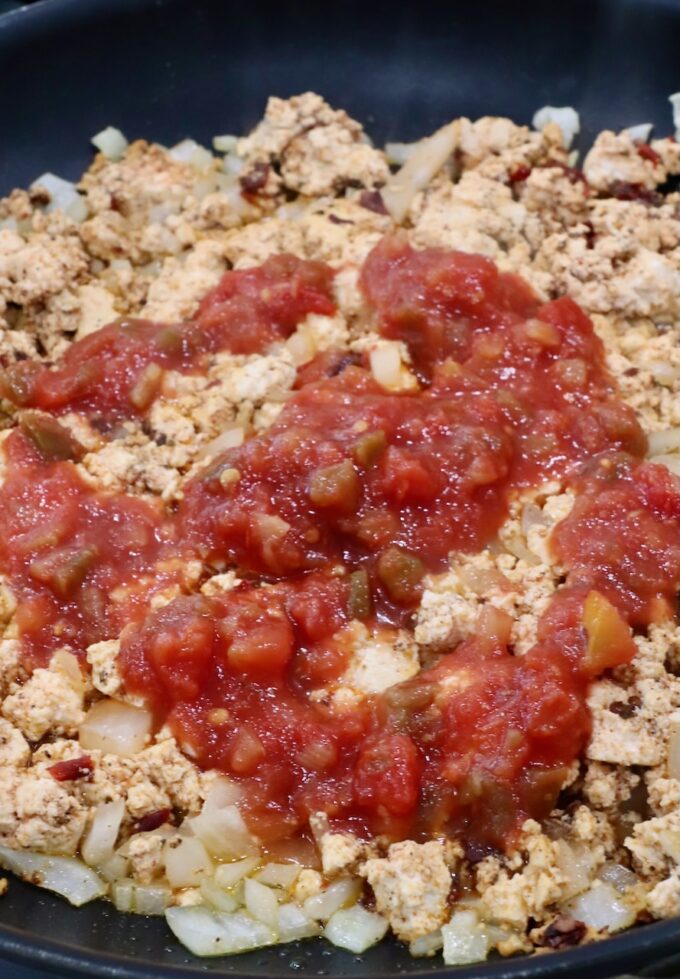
<point x="428" y="157"/>
<point x="671" y="462"/>
<point x="229" y="438"/>
<point x="233" y="165"/>
<point x="115" y="868"/>
<point x="225" y="144"/>
<point x="100" y="839"/>
<point x="122" y="895"/>
<point x="187" y="862"/>
<point x="295" y="924"/>
<point x="64" y="875"/>
<point x="217" y="898"/>
<point x="279" y="874"/>
<point x="206" y="932"/>
<point x="642" y="131"/>
<point x="151" y="898"/>
<point x="675" y="104"/>
<point x="399" y="153"/>
<point x="355" y="929"/>
<point x="618" y="876"/>
<point x="577" y="863"/>
<point x="426" y="945"/>
<point x="465" y="940"/>
<point x="223" y="832"/>
<point x="111" y="143"/>
<point x="64" y="196"/>
<point x="339" y="894"/>
<point x="115" y="727"/>
<point x="222" y="792"/>
<point x="228" y="875"/>
<point x="601" y="907"/>
<point x="662" y="442"/>
<point x="566" y="118"/>
<point x="261" y="903"/>
<point x="189" y="151"/>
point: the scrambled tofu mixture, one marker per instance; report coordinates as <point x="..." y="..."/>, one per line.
<point x="126" y="769"/>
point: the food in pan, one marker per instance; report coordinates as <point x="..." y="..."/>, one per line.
<point x="341" y="534"/>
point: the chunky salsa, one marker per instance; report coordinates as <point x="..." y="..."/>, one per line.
<point x="337" y="512"/>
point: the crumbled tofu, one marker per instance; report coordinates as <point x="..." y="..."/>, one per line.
<point x="37" y="813"/>
<point x="411" y="887"/>
<point x="102" y="657"/>
<point x="145" y="852"/>
<point x="48" y="701"/>
<point x="341" y="853"/>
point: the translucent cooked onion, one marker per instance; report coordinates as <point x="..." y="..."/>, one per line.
<point x="671" y="462"/>
<point x="217" y="898"/>
<point x="426" y="945"/>
<point x="223" y="832"/>
<point x="465" y="940"/>
<point x="111" y="143"/>
<point x="399" y="153"/>
<point x="664" y="374"/>
<point x="115" y="727"/>
<point x="642" y="131"/>
<point x="355" y="929"/>
<point x="229" y="438"/>
<point x="279" y="874"/>
<point x="428" y="157"/>
<point x="295" y="924"/>
<point x="187" y="862"/>
<point x="675" y="104"/>
<point x="100" y="839"/>
<point x="261" y="903"/>
<point x="618" y="876"/>
<point x="133" y="898"/>
<point x="115" y="868"/>
<point x="64" y="875"/>
<point x="577" y="863"/>
<point x="189" y="151"/>
<point x="664" y="442"/>
<point x="228" y="875"/>
<point x="206" y="932"/>
<point x="222" y="792"/>
<point x="64" y="196"/>
<point x="602" y="908"/>
<point x="225" y="144"/>
<point x="385" y="362"/>
<point x="339" y="894"/>
<point x="565" y="117"/>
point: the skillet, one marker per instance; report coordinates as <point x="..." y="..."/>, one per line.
<point x="166" y="69"/>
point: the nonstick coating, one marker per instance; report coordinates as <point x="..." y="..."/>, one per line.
<point x="166" y="69"/>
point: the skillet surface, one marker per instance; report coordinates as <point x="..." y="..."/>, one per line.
<point x="166" y="69"/>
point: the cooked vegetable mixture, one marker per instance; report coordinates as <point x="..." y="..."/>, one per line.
<point x="340" y="502"/>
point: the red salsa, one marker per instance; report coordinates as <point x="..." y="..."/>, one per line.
<point x="336" y="513"/>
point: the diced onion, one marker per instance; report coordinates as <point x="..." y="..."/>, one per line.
<point x="399" y="153"/>
<point x="642" y="131"/>
<point x="115" y="727"/>
<point x="229" y="438"/>
<point x="675" y="104"/>
<point x="295" y="924"/>
<point x="662" y="442"/>
<point x="229" y="874"/>
<point x="223" y="832"/>
<point x="279" y="874"/>
<point x="189" y="151"/>
<point x="465" y="940"/>
<point x="233" y="165"/>
<point x="339" y="894"/>
<point x="355" y="929"/>
<point x="65" y="875"/>
<point x="64" y="196"/>
<point x="100" y="840"/>
<point x="122" y="895"/>
<point x="111" y="143"/>
<point x="577" y="864"/>
<point x="216" y="897"/>
<point x="222" y="792"/>
<point x="566" y="118"/>
<point x="386" y="365"/>
<point x="428" y="157"/>
<point x="664" y="373"/>
<point x="671" y="462"/>
<point x="426" y="945"/>
<point x="618" y="876"/>
<point x="261" y="903"/>
<point x="601" y="907"/>
<point x="674" y="753"/>
<point x="115" y="868"/>
<point x="135" y="898"/>
<point x="225" y="144"/>
<point x="187" y="862"/>
<point x="206" y="932"/>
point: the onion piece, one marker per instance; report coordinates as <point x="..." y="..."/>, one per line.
<point x="642" y="131"/>
<point x="602" y="908"/>
<point x="217" y="898"/>
<point x="618" y="876"/>
<point x="279" y="874"/>
<point x="115" y="869"/>
<point x="63" y="875"/>
<point x="64" y="196"/>
<point x="229" y="438"/>
<point x="675" y="104"/>
<point x="207" y="933"/>
<point x="339" y="894"/>
<point x="426" y="945"/>
<point x="187" y="862"/>
<point x="225" y="144"/>
<point x="100" y="839"/>
<point x="115" y="727"/>
<point x="295" y="924"/>
<point x="261" y="903"/>
<point x="388" y="369"/>
<point x="428" y="157"/>
<point x="151" y="898"/>
<point x="222" y="792"/>
<point x="663" y="442"/>
<point x="223" y="831"/>
<point x="122" y="895"/>
<point x="229" y="875"/>
<point x="577" y="863"/>
<point x="671" y="462"/>
<point x="191" y="152"/>
<point x="566" y="117"/>
<point x="355" y="929"/>
<point x="111" y="143"/>
<point x="399" y="153"/>
<point x="465" y="940"/>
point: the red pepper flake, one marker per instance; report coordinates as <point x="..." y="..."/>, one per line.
<point x="372" y="200"/>
<point x="564" y="932"/>
<point x="255" y="179"/>
<point x="625" y="191"/>
<point x="520" y="174"/>
<point x="151" y="821"/>
<point x="647" y="153"/>
<point x="72" y="769"/>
